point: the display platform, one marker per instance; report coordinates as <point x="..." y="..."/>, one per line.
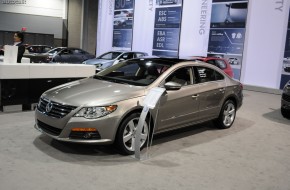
<point x="22" y="84"/>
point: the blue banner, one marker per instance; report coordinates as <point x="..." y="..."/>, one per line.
<point x="124" y="4"/>
<point x="123" y="24"/>
<point x="122" y="38"/>
<point x="166" y="39"/>
<point x="222" y="1"/>
<point x="167" y="29"/>
<point x="168" y="17"/>
<point x="226" y="41"/>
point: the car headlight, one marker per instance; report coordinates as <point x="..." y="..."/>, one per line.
<point x="95" y="112"/>
<point x="98" y="65"/>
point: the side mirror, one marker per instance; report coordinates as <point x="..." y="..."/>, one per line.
<point x="172" y="86"/>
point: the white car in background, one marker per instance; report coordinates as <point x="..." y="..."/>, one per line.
<point x="113" y="57"/>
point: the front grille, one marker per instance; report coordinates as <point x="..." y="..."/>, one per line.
<point x="85" y="135"/>
<point x="58" y="110"/>
<point x="286" y="97"/>
<point x="48" y="129"/>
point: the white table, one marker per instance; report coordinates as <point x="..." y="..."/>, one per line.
<point x="23" y="83"/>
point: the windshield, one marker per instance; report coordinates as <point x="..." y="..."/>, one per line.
<point x="109" y="55"/>
<point x="134" y="72"/>
<point x="55" y="50"/>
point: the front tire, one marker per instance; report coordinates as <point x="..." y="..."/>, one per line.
<point x="285" y="113"/>
<point x="227" y="115"/>
<point x="125" y="139"/>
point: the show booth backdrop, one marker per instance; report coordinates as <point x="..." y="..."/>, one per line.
<point x="227" y="32"/>
<point x="44" y="17"/>
<point x="249" y="34"/>
<point x="168" y="28"/>
<point x="174" y="28"/>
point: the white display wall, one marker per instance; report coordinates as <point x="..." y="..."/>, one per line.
<point x="52" y="8"/>
<point x="265" y="42"/>
<point x="195" y="28"/>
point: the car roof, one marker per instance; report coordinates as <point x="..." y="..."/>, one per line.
<point x="39" y="46"/>
<point x="165" y="61"/>
<point x="125" y="51"/>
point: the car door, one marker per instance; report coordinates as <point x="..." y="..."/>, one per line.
<point x="81" y="55"/>
<point x="180" y="106"/>
<point x="76" y="56"/>
<point x="63" y="56"/>
<point x="211" y="91"/>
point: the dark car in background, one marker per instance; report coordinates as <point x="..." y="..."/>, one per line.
<point x="113" y="57"/>
<point x="285" y="101"/>
<point x="43" y="57"/>
<point x="221" y="63"/>
<point x="70" y="55"/>
<point x="61" y="55"/>
<point x="38" y="48"/>
<point x="35" y="52"/>
<point x="1" y="51"/>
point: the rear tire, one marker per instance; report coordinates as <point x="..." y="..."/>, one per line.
<point x="227" y="115"/>
<point x="125" y="137"/>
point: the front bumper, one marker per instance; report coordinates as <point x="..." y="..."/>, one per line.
<point x="81" y="141"/>
<point x="61" y="129"/>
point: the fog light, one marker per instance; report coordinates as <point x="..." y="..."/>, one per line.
<point x="84" y="129"/>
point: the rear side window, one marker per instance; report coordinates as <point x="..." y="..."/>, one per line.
<point x="206" y="75"/>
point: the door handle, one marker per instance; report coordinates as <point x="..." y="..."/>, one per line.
<point x="195" y="96"/>
<point x="222" y="89"/>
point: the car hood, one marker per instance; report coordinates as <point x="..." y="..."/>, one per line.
<point x="93" y="92"/>
<point x="98" y="61"/>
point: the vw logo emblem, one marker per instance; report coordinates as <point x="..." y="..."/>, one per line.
<point x="48" y="107"/>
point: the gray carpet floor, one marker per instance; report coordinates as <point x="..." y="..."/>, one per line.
<point x="253" y="154"/>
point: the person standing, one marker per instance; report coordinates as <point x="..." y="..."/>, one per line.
<point x="18" y="41"/>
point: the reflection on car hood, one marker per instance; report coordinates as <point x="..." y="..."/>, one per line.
<point x="93" y="92"/>
<point x="98" y="61"/>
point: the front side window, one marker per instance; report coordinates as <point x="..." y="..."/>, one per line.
<point x="127" y="56"/>
<point x="180" y="76"/>
<point x="109" y="55"/>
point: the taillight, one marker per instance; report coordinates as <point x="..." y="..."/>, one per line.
<point x="241" y="86"/>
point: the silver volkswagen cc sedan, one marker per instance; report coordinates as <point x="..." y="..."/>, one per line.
<point x="105" y="108"/>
